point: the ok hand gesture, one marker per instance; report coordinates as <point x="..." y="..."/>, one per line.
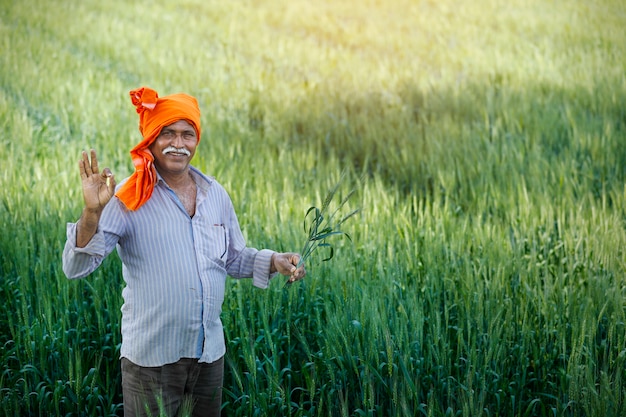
<point x="98" y="187"/>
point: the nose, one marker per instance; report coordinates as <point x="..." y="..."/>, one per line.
<point x="178" y="140"/>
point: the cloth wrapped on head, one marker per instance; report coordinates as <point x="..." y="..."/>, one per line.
<point x="154" y="114"/>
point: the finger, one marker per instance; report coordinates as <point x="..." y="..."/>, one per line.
<point x="294" y="278"/>
<point x="94" y="162"/>
<point x="297" y="275"/>
<point x="81" y="169"/>
<point x="83" y="165"/>
<point x="300" y="273"/>
<point x="111" y="184"/>
<point x="107" y="175"/>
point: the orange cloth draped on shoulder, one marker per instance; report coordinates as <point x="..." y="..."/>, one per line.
<point x="154" y="114"/>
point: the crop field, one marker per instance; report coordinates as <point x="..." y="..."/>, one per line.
<point x="485" y="142"/>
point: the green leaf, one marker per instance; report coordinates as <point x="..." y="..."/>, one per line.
<point x="332" y="252"/>
<point x="325" y="235"/>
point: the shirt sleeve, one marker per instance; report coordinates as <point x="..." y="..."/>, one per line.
<point x="80" y="262"/>
<point x="245" y="262"/>
<point x="261" y="273"/>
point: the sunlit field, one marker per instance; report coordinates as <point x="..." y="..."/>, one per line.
<point x="485" y="141"/>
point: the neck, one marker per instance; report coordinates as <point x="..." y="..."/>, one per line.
<point x="177" y="179"/>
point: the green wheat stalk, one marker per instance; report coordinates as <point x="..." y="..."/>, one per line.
<point x="319" y="225"/>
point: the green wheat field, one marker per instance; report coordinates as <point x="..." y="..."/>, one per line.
<point x="484" y="140"/>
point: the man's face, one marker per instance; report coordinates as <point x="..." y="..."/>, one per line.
<point x="174" y="148"/>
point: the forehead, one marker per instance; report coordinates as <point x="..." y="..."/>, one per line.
<point x="180" y="125"/>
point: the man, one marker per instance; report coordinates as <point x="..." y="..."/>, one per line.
<point x="178" y="238"/>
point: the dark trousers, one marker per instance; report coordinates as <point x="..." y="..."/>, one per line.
<point x="167" y="390"/>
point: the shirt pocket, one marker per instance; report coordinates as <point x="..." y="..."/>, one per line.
<point x="216" y="241"/>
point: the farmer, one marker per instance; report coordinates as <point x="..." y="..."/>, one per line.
<point x="178" y="237"/>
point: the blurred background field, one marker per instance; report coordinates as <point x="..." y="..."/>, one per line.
<point x="485" y="141"/>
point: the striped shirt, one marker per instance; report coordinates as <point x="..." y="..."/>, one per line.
<point x="175" y="269"/>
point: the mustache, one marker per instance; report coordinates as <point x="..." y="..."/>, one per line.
<point x="173" y="149"/>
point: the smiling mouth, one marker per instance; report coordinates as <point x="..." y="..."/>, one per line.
<point x="176" y="151"/>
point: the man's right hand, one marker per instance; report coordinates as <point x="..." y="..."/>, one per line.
<point x="98" y="187"/>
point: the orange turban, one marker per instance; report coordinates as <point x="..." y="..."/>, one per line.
<point x="154" y="114"/>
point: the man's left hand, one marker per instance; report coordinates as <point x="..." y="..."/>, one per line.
<point x="286" y="263"/>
